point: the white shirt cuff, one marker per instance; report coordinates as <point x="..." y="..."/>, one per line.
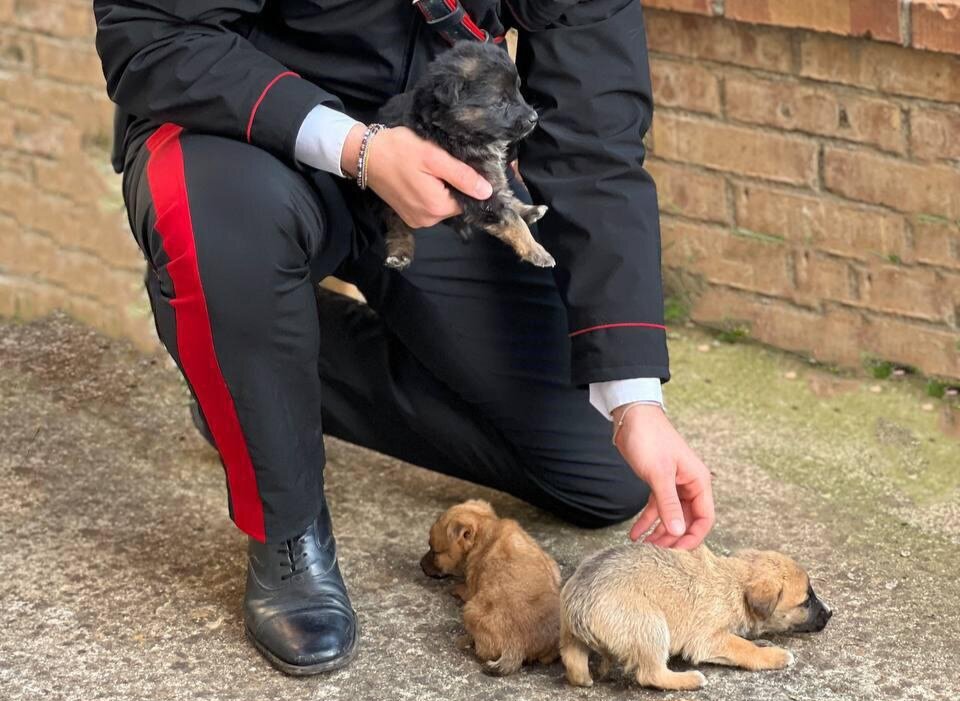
<point x="320" y="139"/>
<point x="607" y="396"/>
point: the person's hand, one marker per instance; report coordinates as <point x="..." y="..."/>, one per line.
<point x="681" y="497"/>
<point x="411" y="175"/>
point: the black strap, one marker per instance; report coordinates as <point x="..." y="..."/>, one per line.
<point x="453" y="23"/>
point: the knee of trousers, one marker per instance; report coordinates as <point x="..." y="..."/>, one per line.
<point x="604" y="496"/>
<point x="257" y="225"/>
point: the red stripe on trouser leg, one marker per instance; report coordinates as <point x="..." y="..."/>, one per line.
<point x="198" y="358"/>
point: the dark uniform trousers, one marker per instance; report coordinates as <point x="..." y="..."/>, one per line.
<point x="460" y="364"/>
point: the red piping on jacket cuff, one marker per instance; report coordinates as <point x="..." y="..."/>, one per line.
<point x="626" y="324"/>
<point x="256" y="105"/>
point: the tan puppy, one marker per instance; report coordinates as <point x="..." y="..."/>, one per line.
<point x="511" y="587"/>
<point x="640" y="604"/>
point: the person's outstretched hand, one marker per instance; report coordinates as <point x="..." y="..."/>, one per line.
<point x="681" y="497"/>
<point x="411" y="175"/>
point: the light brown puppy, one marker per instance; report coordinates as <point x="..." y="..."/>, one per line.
<point x="640" y="604"/>
<point x="511" y="586"/>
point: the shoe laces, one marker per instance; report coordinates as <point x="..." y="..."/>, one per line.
<point x="296" y="557"/>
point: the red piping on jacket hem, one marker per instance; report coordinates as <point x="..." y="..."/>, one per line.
<point x="640" y="324"/>
<point x="256" y="105"/>
<point x="168" y="188"/>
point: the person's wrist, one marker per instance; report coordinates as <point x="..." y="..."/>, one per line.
<point x="351" y="150"/>
<point x="627" y="416"/>
<point x="641" y="408"/>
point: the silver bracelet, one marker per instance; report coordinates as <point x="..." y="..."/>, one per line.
<point x="362" y="155"/>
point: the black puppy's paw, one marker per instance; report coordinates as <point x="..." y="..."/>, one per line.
<point x="398" y="262"/>
<point x="540" y="258"/>
<point x="535" y="214"/>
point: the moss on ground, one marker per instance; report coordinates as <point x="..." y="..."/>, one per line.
<point x="837" y="435"/>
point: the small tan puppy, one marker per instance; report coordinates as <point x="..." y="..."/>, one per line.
<point x="640" y="604"/>
<point x="511" y="587"/>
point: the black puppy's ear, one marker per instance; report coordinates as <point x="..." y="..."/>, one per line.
<point x="762" y="596"/>
<point x="447" y="90"/>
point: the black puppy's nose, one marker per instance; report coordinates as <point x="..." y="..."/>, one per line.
<point x="533" y="117"/>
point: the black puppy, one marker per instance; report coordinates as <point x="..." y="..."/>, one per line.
<point x="469" y="104"/>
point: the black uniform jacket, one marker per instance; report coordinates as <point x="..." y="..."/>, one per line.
<point x="253" y="69"/>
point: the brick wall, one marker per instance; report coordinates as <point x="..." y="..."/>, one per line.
<point x="808" y="163"/>
<point x="64" y="241"/>
<point x="809" y="176"/>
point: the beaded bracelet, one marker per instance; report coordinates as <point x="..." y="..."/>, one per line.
<point x="362" y="156"/>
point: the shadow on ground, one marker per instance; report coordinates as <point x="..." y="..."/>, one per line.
<point x="121" y="577"/>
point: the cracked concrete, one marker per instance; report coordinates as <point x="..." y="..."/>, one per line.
<point x="121" y="576"/>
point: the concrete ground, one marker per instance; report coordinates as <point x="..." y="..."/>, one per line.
<point x="121" y="577"/>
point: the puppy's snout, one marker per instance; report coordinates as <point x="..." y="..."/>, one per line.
<point x="428" y="566"/>
<point x="532" y="117"/>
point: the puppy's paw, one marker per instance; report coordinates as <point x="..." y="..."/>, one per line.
<point x="776" y="658"/>
<point x="700" y="677"/>
<point x="535" y="214"/>
<point x="579" y="680"/>
<point x="540" y="258"/>
<point x="398" y="262"/>
<point x="464" y="642"/>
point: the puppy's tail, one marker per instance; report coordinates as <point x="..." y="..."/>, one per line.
<point x="508" y="663"/>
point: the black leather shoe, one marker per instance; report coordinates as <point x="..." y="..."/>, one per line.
<point x="296" y="608"/>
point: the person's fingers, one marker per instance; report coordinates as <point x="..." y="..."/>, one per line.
<point x="665" y="541"/>
<point x="657" y="533"/>
<point x="695" y="534"/>
<point x="664" y="487"/>
<point x="698" y="507"/>
<point x="458" y="174"/>
<point x="646" y="519"/>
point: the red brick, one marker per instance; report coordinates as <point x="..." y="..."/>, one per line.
<point x="76" y="63"/>
<point x="879" y="19"/>
<point x="32" y="133"/>
<point x="905" y="291"/>
<point x="937" y="242"/>
<point x="62" y="19"/>
<point x="826" y="111"/>
<point x="6" y="11"/>
<point x="690" y="192"/>
<point x="848" y="230"/>
<point x="822" y="277"/>
<point x="720" y="257"/>
<point x="44" y="259"/>
<point x="685" y="85"/>
<point x="15" y="164"/>
<point x="931" y="349"/>
<point x="880" y="67"/>
<point x="934" y="134"/>
<point x="906" y="187"/>
<point x="935" y="25"/>
<point x="781" y="158"/>
<point x="719" y="40"/>
<point x="16" y="50"/>
<point x="832" y="336"/>
<point x="700" y="7"/>
<point x="89" y="108"/>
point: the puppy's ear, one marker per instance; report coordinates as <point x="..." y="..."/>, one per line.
<point x="462" y="531"/>
<point x="447" y="90"/>
<point x="762" y="594"/>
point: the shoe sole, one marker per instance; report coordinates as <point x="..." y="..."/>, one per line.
<point x="312" y="669"/>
